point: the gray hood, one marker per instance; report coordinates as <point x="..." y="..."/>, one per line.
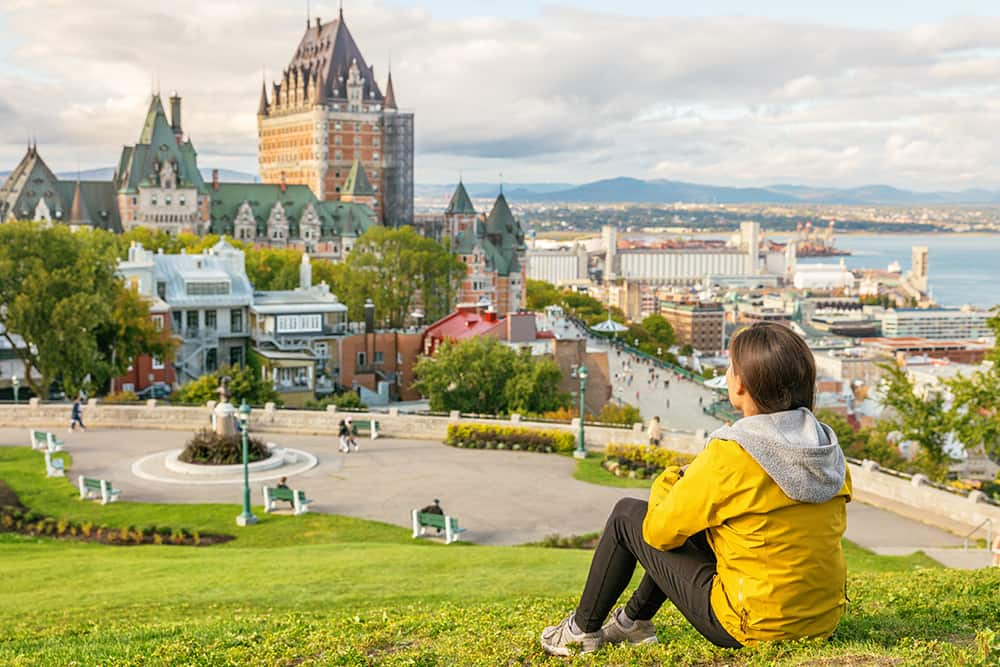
<point x="795" y="449"/>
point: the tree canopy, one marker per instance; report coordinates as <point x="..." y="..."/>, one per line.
<point x="244" y="384"/>
<point x="482" y="375"/>
<point x="60" y="295"/>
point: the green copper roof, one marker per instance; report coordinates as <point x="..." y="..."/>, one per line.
<point x="139" y="165"/>
<point x="500" y="220"/>
<point x="335" y="218"/>
<point x="460" y="203"/>
<point x="357" y="183"/>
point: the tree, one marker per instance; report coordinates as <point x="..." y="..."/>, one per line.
<point x="660" y="331"/>
<point x="482" y="375"/>
<point x="922" y="420"/>
<point x="129" y="333"/>
<point x="60" y="295"/>
<point x="620" y="414"/>
<point x="841" y="427"/>
<point x="244" y="384"/>
<point x="541" y="294"/>
<point x="975" y="408"/>
<point x="391" y="267"/>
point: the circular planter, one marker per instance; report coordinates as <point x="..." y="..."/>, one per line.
<point x="279" y="456"/>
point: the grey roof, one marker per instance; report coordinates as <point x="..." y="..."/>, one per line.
<point x="316" y="299"/>
<point x="218" y="264"/>
<point x="357" y="184"/>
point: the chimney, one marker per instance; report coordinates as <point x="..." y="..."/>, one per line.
<point x="369" y="316"/>
<point x="175" y="116"/>
<point x="215" y="180"/>
<point x="282" y="182"/>
<point x="305" y="272"/>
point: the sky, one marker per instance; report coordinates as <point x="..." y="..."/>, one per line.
<point x="902" y="93"/>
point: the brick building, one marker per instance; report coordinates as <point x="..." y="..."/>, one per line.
<point x="702" y="326"/>
<point x="327" y="112"/>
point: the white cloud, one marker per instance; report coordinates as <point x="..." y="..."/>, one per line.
<point x="569" y="95"/>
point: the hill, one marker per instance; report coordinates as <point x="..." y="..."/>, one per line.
<point x="321" y="589"/>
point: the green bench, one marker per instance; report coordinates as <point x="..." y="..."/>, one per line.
<point x="102" y="488"/>
<point x="448" y="524"/>
<point x="54" y="467"/>
<point x="298" y="498"/>
<point x="45" y="440"/>
<point x="370" y="425"/>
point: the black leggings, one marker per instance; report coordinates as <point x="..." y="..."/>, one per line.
<point x="683" y="574"/>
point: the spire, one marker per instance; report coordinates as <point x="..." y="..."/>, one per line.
<point x="262" y="107"/>
<point x="356" y="184"/>
<point x="460" y="203"/>
<point x="390" y="94"/>
<point x="78" y="213"/>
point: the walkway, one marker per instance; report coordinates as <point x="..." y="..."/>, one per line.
<point x="501" y="497"/>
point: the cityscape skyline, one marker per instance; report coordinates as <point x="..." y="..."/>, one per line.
<point x="898" y="103"/>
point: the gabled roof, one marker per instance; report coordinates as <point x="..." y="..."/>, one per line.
<point x="357" y="183"/>
<point x="500" y="220"/>
<point x="460" y="203"/>
<point x="157" y="144"/>
<point x="328" y="50"/>
<point x="79" y="212"/>
<point x="31" y="181"/>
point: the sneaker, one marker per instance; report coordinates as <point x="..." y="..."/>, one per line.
<point x="557" y="639"/>
<point x="640" y="632"/>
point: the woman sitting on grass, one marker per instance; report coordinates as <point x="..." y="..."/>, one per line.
<point x="746" y="541"/>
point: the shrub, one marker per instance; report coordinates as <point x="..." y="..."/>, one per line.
<point x="349" y="400"/>
<point x="487" y="436"/>
<point x="121" y="397"/>
<point x="620" y="414"/>
<point x="210" y="448"/>
<point x="640" y="461"/>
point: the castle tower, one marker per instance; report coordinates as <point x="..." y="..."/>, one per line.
<point x="327" y="112"/>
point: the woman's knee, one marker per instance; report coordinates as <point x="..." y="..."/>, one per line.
<point x="627" y="511"/>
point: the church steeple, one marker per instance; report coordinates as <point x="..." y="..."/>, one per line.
<point x="262" y="107"/>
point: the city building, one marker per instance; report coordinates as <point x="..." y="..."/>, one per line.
<point x="294" y="335"/>
<point x="823" y="277"/>
<point x="327" y="112"/>
<point x="957" y="351"/>
<point x="208" y="297"/>
<point x="158" y="185"/>
<point x="935" y="323"/>
<point x="918" y="268"/>
<point x="492" y="248"/>
<point x="700" y="325"/>
<point x="558" y="266"/>
<point x="145" y="370"/>
<point x="854" y="366"/>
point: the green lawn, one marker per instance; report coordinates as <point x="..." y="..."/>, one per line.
<point x="325" y="590"/>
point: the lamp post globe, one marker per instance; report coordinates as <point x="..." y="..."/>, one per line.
<point x="581" y="451"/>
<point x="246" y="518"/>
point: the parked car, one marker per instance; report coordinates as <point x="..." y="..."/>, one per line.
<point x="155" y="390"/>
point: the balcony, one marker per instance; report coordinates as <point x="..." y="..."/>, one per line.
<point x="200" y="333"/>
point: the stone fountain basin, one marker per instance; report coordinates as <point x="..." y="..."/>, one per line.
<point x="279" y="457"/>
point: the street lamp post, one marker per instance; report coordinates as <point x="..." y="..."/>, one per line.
<point x="245" y="519"/>
<point x="581" y="450"/>
<point x="16" y="383"/>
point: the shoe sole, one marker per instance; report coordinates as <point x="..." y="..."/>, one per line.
<point x="564" y="652"/>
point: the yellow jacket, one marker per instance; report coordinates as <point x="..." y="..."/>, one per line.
<point x="781" y="572"/>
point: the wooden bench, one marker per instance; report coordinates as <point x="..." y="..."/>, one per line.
<point x="45" y="440"/>
<point x="89" y="485"/>
<point x="297" y="497"/>
<point x="448" y="524"/>
<point x="54" y="467"/>
<point x="370" y="425"/>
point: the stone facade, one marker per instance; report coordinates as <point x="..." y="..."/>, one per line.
<point x="326" y="113"/>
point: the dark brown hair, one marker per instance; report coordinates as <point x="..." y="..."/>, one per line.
<point x="776" y="367"/>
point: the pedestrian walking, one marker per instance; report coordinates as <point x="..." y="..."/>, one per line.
<point x="351" y="442"/>
<point x="655" y="433"/>
<point x="76" y="417"/>
<point x="668" y="404"/>
<point x="343" y="432"/>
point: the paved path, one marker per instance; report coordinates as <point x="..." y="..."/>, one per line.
<point x="501" y="497"/>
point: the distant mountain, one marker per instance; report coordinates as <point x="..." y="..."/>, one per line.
<point x="631" y="190"/>
<point x="489" y="190"/>
<point x="106" y="173"/>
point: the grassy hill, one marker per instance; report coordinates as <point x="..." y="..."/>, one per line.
<point x="328" y="590"/>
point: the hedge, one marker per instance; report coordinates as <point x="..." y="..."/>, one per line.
<point x="486" y="436"/>
<point x="640" y="461"/>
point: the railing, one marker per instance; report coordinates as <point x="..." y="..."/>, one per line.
<point x="988" y="522"/>
<point x="935" y="485"/>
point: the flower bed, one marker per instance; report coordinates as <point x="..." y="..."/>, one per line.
<point x="486" y="436"/>
<point x="15" y="519"/>
<point x="640" y="461"/>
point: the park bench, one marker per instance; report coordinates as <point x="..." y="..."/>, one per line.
<point x="45" y="440"/>
<point x="296" y="496"/>
<point x="448" y="524"/>
<point x="89" y="485"/>
<point x="370" y="425"/>
<point x="53" y="467"/>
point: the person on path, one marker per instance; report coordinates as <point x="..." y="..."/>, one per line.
<point x="746" y="542"/>
<point x="343" y="432"/>
<point x="351" y="442"/>
<point x="76" y="416"/>
<point x="655" y="433"/>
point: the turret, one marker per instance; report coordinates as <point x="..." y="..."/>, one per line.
<point x="175" y="116"/>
